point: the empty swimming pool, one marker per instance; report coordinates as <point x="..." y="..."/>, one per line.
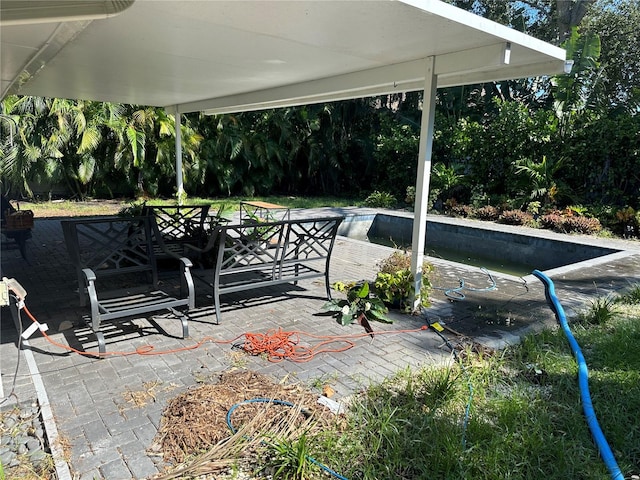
<point x="483" y="244"/>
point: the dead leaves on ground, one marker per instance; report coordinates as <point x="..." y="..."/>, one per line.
<point x="195" y="422"/>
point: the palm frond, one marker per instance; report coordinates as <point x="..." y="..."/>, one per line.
<point x="90" y="140"/>
<point x="86" y="169"/>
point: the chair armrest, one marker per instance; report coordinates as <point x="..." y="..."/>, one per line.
<point x="186" y="281"/>
<point x="90" y="279"/>
<point x="89" y="275"/>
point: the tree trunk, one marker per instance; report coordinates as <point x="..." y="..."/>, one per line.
<point x="570" y="14"/>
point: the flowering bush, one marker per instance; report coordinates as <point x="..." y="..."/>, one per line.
<point x="359" y="305"/>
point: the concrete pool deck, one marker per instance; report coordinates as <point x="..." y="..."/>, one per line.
<point x="87" y="401"/>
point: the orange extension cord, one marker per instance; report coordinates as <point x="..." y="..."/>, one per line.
<point x="277" y="345"/>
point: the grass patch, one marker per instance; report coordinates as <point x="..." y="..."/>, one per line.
<point x="68" y="208"/>
<point x="233" y="203"/>
<point x="526" y="419"/>
<point x="631" y="296"/>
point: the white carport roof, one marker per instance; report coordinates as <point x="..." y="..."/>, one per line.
<point x="225" y="56"/>
<point x="231" y="56"/>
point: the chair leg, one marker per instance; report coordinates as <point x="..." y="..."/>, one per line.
<point x="102" y="347"/>
<point x="184" y="320"/>
<point x="185" y="326"/>
<point x="327" y="284"/>
<point x="216" y="301"/>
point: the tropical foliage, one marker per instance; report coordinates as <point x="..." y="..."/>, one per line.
<point x="570" y="139"/>
<point x="359" y="306"/>
<point x="395" y="284"/>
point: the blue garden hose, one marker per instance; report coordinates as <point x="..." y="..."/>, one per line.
<point x="287" y="404"/>
<point x="583" y="375"/>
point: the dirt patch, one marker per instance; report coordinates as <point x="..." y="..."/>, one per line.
<point x="196" y="421"/>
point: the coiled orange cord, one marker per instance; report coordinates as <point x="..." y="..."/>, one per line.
<point x="277" y="345"/>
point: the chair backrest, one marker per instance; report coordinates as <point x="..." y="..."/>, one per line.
<point x="177" y="223"/>
<point x="111" y="246"/>
<point x="243" y="246"/>
<point x="311" y="238"/>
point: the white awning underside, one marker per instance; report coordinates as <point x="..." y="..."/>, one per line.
<point x="226" y="56"/>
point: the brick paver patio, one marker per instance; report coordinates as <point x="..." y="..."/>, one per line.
<point x="108" y="436"/>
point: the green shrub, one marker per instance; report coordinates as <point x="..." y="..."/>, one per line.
<point x="410" y="196"/>
<point x="358" y="306"/>
<point x="394" y="283"/>
<point x="515" y="217"/>
<point x="290" y="459"/>
<point x="631" y="297"/>
<point x="134" y="209"/>
<point x="534" y="207"/>
<point x="433" y="203"/>
<point x="600" y="311"/>
<point x="627" y="222"/>
<point x="379" y="199"/>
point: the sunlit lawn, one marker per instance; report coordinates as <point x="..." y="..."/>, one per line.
<point x="525" y="419"/>
<point x="67" y="208"/>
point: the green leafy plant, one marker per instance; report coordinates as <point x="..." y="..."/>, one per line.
<point x="134" y="209"/>
<point x="264" y="233"/>
<point x="410" y="196"/>
<point x="601" y="311"/>
<point x="447" y="178"/>
<point x="631" y="297"/>
<point x="540" y="180"/>
<point x="291" y="459"/>
<point x="627" y="222"/>
<point x="579" y="210"/>
<point x="534" y="207"/>
<point x="359" y="305"/>
<point x="395" y="285"/>
<point x="380" y="200"/>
